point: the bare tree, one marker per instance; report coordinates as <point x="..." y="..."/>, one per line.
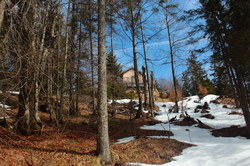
<point x="27" y="117"/>
<point x="147" y="85"/>
<point x="133" y="29"/>
<point x="175" y="42"/>
<point x="64" y="80"/>
<point x="172" y="65"/>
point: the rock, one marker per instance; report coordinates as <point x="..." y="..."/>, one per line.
<point x="151" y="123"/>
<point x="170" y="110"/>
<point x="196" y="101"/>
<point x="172" y="119"/>
<point x="196" y="110"/>
<point x="164" y="105"/>
<point x="235" y="113"/>
<point x="187" y="121"/>
<point x="209" y="116"/>
<point x="215" y="102"/>
<point x="205" y="106"/>
<point x="204" y="111"/>
<point x="202" y="125"/>
<point x="224" y="106"/>
<point x="199" y="107"/>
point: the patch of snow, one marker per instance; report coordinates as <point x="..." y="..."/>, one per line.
<point x="210" y="150"/>
<point x="124" y="140"/>
<point x="209" y="98"/>
<point x="123" y="101"/>
<point x="5" y="106"/>
<point x="14" y="92"/>
<point x="5" y="117"/>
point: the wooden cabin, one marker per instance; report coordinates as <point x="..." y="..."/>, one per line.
<point x="128" y="78"/>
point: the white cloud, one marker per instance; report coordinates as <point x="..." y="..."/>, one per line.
<point x="139" y="47"/>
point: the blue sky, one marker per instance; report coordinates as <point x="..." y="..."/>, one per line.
<point x="158" y="48"/>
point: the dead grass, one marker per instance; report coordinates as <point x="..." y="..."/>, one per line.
<point x="149" y="150"/>
<point x="74" y="142"/>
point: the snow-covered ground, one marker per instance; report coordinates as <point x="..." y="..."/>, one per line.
<point x="210" y="150"/>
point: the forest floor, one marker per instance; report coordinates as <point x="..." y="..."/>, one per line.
<point x="74" y="143"/>
<point x="144" y="140"/>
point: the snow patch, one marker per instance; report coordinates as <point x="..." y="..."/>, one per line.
<point x="5" y="106"/>
<point x="124" y="140"/>
<point x="210" y="150"/>
<point x="14" y="92"/>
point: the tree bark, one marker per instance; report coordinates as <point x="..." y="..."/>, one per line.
<point x="72" y="59"/>
<point x="92" y="61"/>
<point x="27" y="116"/>
<point x="3" y="5"/>
<point x="78" y="68"/>
<point x="64" y="68"/>
<point x="145" y="87"/>
<point x="152" y="87"/>
<point x="147" y="72"/>
<point x="243" y="98"/>
<point x="136" y="71"/>
<point x="23" y="115"/>
<point x="103" y="147"/>
<point x="172" y="66"/>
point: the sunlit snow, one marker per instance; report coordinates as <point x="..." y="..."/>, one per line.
<point x="210" y="150"/>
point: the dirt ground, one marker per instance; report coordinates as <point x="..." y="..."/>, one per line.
<point x="74" y="143"/>
<point x="233" y="131"/>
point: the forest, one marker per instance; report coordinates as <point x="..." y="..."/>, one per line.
<point x="70" y="94"/>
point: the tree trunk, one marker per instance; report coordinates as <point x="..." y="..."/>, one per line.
<point x="136" y="71"/>
<point x="64" y="68"/>
<point x="103" y="147"/>
<point x="152" y="89"/>
<point x="113" y="70"/>
<point x="172" y="66"/>
<point x="27" y="116"/>
<point x="92" y="62"/>
<point x="145" y="87"/>
<point x="58" y="88"/>
<point x="72" y="59"/>
<point x="23" y="115"/>
<point x="243" y="99"/>
<point x="78" y="68"/>
<point x="49" y="89"/>
<point x="3" y="5"/>
<point x="147" y="72"/>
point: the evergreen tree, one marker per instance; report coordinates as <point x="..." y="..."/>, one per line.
<point x="195" y="77"/>
<point x="220" y="77"/>
<point x="114" y="73"/>
<point x="227" y="27"/>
